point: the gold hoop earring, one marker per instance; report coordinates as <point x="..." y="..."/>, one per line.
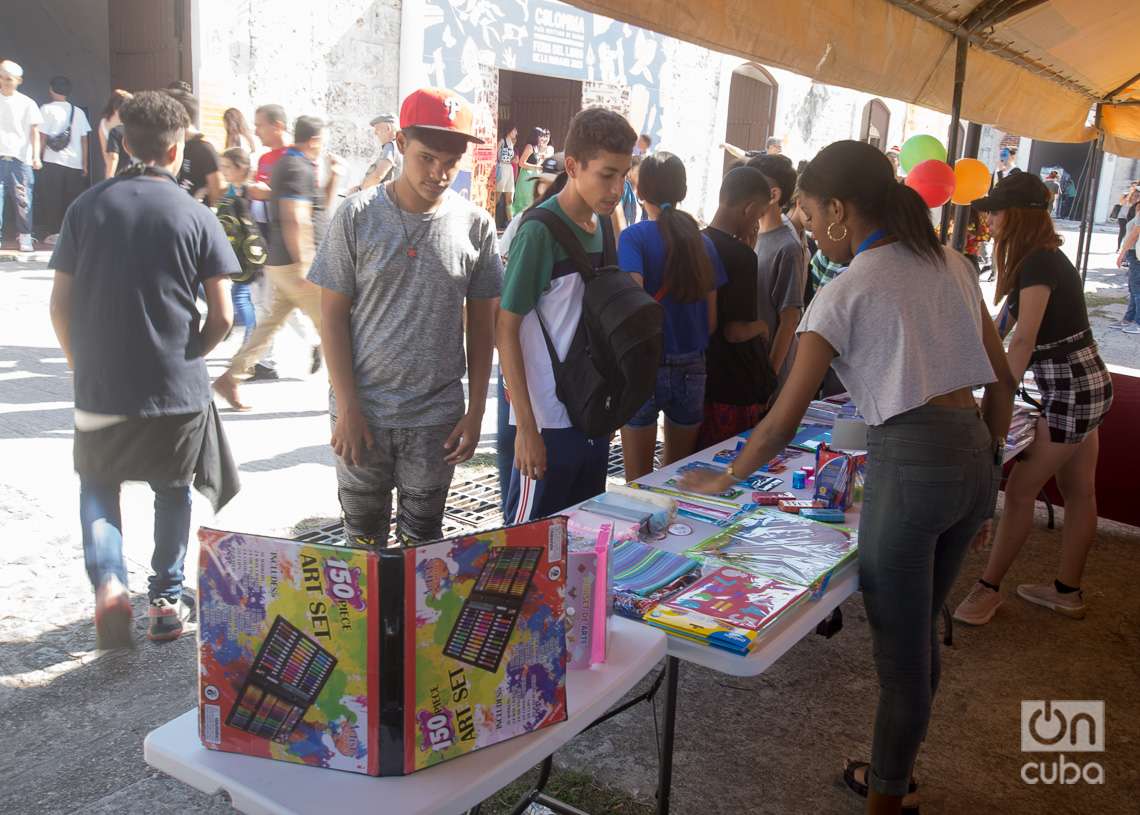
<point x="837" y="237"/>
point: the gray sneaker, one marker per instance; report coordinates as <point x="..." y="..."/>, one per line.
<point x="1120" y="324"/>
<point x="1046" y="594"/>
<point x="979" y="606"/>
<point x="1134" y="328"/>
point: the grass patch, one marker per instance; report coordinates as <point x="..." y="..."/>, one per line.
<point x="1098" y="300"/>
<point x="575" y="788"/>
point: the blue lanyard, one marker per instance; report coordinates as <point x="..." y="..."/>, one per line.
<point x="874" y="237"/>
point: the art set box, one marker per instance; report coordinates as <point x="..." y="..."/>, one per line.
<point x="383" y="661"/>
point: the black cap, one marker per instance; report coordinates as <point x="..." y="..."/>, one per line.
<point x="1016" y="191"/>
<point x="551" y="167"/>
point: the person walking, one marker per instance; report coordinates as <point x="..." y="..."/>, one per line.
<point x="395" y="253"/>
<point x="934" y="458"/>
<point x="238" y="133"/>
<point x="291" y="250"/>
<point x="145" y="415"/>
<point x="1052" y="338"/>
<point x="65" y="171"/>
<point x="20" y="120"/>
<point x="110" y="150"/>
<point x="1127" y="258"/>
<point x="680" y="268"/>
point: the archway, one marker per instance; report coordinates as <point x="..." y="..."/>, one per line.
<point x="876" y="123"/>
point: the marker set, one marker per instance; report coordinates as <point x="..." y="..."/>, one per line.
<point x="287" y="674"/>
<point x="483" y="630"/>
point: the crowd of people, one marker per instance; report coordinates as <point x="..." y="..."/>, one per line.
<point x="803" y="283"/>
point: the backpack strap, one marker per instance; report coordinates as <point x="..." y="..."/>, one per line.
<point x="565" y="238"/>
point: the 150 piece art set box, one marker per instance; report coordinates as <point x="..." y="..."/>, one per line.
<point x="380" y="661"/>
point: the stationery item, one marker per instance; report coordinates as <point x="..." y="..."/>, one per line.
<point x="827" y="516"/>
<point x="658" y="516"/>
<point x="771" y="499"/>
<point x="641" y="569"/>
<point x="662" y="501"/>
<point x="756" y="481"/>
<point x="587" y="601"/>
<point x="799" y="480"/>
<point x="614" y="509"/>
<point x="725" y="609"/>
<point x="796" y="505"/>
<point x="808" y="471"/>
<point x="583" y="527"/>
<point x="680" y="530"/>
<point x="635" y="606"/>
<point x="708" y="501"/>
<point x="381" y="661"/>
<point x="781" y="546"/>
<point x="810" y="436"/>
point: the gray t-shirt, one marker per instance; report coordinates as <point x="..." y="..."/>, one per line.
<point x="782" y="270"/>
<point x="905" y="328"/>
<point x="407" y="312"/>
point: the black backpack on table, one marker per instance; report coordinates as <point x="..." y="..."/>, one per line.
<point x="610" y="369"/>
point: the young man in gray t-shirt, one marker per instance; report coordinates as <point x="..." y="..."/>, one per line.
<point x="399" y="266"/>
<point x="781" y="265"/>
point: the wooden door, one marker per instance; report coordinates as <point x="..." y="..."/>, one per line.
<point x="751" y="110"/>
<point x="150" y="43"/>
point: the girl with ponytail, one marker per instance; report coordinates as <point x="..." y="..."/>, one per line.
<point x="907" y="332"/>
<point x="679" y="266"/>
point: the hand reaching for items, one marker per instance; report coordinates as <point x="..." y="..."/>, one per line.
<point x="706" y="482"/>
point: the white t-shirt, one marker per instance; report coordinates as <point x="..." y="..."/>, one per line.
<point x="17" y="115"/>
<point x="55" y="118"/>
<point x="905" y="328"/>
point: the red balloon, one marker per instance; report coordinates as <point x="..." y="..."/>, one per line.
<point x="934" y="180"/>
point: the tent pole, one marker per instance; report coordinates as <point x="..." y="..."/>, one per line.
<point x="962" y="213"/>
<point x="1082" y="198"/>
<point x="955" y="115"/>
<point x="1094" y="185"/>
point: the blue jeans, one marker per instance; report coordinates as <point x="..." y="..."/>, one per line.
<point x="243" y="308"/>
<point x="680" y="392"/>
<point x="931" y="482"/>
<point x="17" y="179"/>
<point x="504" y="445"/>
<point x="1132" y="313"/>
<point x="102" y="523"/>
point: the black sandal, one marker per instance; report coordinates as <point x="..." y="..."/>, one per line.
<point x="860" y="787"/>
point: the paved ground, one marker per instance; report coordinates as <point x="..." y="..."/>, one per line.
<point x="74" y="722"/>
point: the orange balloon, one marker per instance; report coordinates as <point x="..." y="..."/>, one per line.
<point x="972" y="180"/>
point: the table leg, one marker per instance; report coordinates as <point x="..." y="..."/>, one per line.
<point x="665" y="762"/>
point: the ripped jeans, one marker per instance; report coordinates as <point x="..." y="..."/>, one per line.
<point x="409" y="460"/>
<point x="17" y="181"/>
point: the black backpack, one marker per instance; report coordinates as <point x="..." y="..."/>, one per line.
<point x="610" y="369"/>
<point x="245" y="237"/>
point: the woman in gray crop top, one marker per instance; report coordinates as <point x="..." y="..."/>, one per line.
<point x="907" y="332"/>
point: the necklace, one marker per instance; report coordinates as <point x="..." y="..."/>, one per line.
<point x="410" y="241"/>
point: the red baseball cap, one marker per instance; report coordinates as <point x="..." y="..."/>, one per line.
<point x="439" y="109"/>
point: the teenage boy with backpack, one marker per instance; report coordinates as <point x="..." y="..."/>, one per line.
<point x="401" y="264"/>
<point x="557" y="464"/>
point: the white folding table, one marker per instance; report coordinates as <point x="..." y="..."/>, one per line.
<point x="266" y="787"/>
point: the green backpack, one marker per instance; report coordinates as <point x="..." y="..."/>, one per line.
<point x="245" y="237"/>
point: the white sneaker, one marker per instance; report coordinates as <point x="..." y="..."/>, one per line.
<point x="26" y="243"/>
<point x="1120" y="324"/>
<point x="1046" y="594"/>
<point x="979" y="606"/>
<point x="1132" y="329"/>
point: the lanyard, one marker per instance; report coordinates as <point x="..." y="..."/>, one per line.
<point x="874" y="237"/>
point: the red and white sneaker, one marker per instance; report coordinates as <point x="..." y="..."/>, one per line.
<point x="113" y="617"/>
<point x="166" y="618"/>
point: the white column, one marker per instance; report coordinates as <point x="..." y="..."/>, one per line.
<point x="412" y="73"/>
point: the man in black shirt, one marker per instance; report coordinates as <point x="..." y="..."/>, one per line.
<point x="740" y="378"/>
<point x="128" y="324"/>
<point x="291" y="250"/>
<point x="200" y="174"/>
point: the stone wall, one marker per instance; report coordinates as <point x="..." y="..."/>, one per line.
<point x="338" y="59"/>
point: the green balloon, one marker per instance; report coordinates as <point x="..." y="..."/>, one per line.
<point x="918" y="149"/>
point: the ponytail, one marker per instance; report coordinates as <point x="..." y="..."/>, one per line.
<point x="688" y="270"/>
<point x="907" y="218"/>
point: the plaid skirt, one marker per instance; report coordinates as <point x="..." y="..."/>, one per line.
<point x="1076" y="389"/>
